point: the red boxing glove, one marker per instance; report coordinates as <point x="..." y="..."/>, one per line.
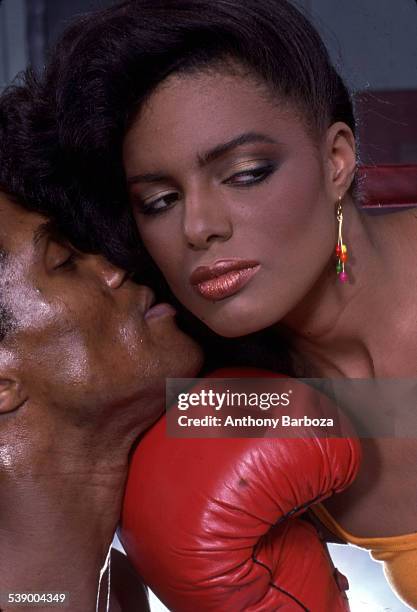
<point x="210" y="524"/>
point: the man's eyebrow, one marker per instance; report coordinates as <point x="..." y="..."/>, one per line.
<point x="48" y="229"/>
<point x="208" y="156"/>
<point x="43" y="230"/>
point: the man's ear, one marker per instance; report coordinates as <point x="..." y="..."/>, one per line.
<point x="341" y="156"/>
<point x="12" y="395"/>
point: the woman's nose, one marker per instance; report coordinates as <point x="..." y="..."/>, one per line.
<point x="205" y="221"/>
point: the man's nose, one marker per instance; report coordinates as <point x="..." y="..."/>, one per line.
<point x="111" y="275"/>
<point x="206" y="220"/>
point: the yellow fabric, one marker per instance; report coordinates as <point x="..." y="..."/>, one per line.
<point x="398" y="553"/>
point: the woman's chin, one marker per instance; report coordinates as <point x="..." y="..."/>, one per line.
<point x="243" y="314"/>
<point x="237" y="332"/>
<point x="237" y="324"/>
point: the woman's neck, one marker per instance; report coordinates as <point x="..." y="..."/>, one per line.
<point x="351" y="329"/>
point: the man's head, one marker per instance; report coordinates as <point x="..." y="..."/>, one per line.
<point x="78" y="332"/>
<point x="78" y="339"/>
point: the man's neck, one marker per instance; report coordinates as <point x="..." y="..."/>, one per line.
<point x="59" y="506"/>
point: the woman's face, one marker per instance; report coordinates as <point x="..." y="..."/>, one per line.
<point x="233" y="198"/>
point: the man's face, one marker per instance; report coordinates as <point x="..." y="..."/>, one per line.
<point x="82" y="335"/>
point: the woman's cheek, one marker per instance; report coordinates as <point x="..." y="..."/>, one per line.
<point x="164" y="252"/>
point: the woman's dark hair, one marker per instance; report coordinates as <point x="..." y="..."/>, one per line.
<point x="35" y="173"/>
<point x="109" y="62"/>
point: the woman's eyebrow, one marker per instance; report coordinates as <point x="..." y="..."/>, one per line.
<point x="226" y="147"/>
<point x="208" y="156"/>
<point x="147" y="178"/>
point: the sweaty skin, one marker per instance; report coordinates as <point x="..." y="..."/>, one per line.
<point x="220" y="170"/>
<point x="82" y="371"/>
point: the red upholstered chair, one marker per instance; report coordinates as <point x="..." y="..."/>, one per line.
<point x="388" y="186"/>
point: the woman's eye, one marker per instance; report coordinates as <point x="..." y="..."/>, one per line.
<point x="158" y="205"/>
<point x="250" y="176"/>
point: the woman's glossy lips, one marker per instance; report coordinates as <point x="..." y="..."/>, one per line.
<point x="224" y="278"/>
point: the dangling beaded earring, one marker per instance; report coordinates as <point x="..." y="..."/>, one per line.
<point x="341" y="249"/>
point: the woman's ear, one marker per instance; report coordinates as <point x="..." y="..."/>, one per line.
<point x="12" y="395"/>
<point x="341" y="155"/>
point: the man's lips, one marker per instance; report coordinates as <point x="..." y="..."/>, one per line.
<point x="162" y="309"/>
<point x="149" y="299"/>
<point x="224" y="278"/>
<point x="153" y="309"/>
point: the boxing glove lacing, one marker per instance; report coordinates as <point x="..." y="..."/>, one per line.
<point x="289" y="514"/>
